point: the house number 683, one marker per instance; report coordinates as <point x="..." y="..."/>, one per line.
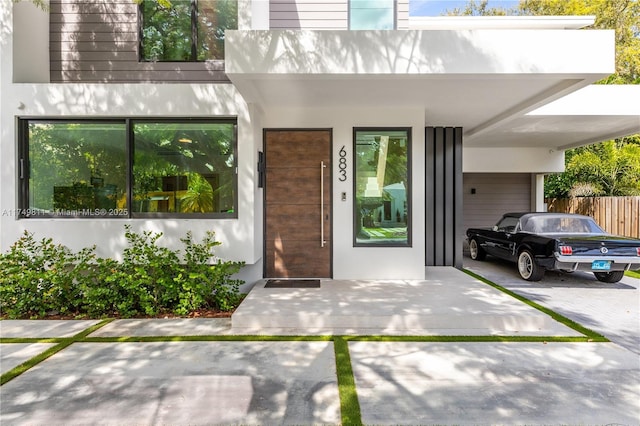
<point x="342" y="165"/>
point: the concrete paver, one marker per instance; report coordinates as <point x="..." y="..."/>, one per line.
<point x="178" y="383"/>
<point x="165" y="327"/>
<point x="489" y="383"/>
<point x="14" y="354"/>
<point x="44" y="328"/>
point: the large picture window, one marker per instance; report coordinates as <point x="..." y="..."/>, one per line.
<point x="184" y="167"/>
<point x="185" y="30"/>
<point x="128" y="168"/>
<point x="382" y="186"/>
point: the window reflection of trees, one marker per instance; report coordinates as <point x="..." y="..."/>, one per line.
<point x="381" y="186"/>
<point x="178" y="167"/>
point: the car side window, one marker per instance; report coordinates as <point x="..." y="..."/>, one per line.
<point x="507" y="224"/>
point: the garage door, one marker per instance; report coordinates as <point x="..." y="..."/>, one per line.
<point x="489" y="195"/>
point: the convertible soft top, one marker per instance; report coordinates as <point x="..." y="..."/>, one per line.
<point x="551" y="222"/>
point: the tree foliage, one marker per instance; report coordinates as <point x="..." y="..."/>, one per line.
<point x="610" y="168"/>
<point x="184" y="30"/>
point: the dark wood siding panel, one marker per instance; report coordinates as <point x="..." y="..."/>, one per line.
<point x="309" y="14"/>
<point x="97" y="41"/>
<point x="94" y="36"/>
<point x="148" y="67"/>
<point x="174" y="76"/>
<point x="495" y="194"/>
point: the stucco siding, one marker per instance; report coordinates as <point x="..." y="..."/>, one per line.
<point x="98" y="42"/>
<point x="495" y="194"/>
<point x="402" y="14"/>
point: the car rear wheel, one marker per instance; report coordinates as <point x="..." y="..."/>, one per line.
<point x="609" y="277"/>
<point x="475" y="251"/>
<point x="528" y="268"/>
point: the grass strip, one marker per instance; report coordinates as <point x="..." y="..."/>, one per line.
<point x="471" y="339"/>
<point x="633" y="274"/>
<point x="31" y="339"/>
<point x="207" y="338"/>
<point x="592" y="335"/>
<point x="62" y="343"/>
<point x="349" y="405"/>
<point x="30" y="363"/>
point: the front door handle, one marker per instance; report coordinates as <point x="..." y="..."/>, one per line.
<point x="322" y="167"/>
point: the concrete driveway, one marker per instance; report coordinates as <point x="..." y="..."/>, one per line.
<point x="612" y="310"/>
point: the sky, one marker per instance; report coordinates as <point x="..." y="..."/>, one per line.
<point x="438" y="7"/>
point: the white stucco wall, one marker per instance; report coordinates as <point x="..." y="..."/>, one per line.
<point x="365" y="262"/>
<point x="140" y="100"/>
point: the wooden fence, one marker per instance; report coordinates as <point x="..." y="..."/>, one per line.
<point x="617" y="215"/>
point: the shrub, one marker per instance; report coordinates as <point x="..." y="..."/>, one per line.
<point x="207" y="284"/>
<point x="40" y="277"/>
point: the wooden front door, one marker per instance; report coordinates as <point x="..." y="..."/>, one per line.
<point x="297" y="204"/>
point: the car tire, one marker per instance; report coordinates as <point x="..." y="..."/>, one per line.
<point x="476" y="252"/>
<point x="609" y="277"/>
<point x="528" y="268"/>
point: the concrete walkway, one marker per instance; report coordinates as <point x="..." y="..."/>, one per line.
<point x="447" y="302"/>
<point x="295" y="381"/>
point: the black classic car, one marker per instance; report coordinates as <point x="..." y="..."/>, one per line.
<point x="555" y="241"/>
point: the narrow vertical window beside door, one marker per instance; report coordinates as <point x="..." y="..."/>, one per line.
<point x="382" y="187"/>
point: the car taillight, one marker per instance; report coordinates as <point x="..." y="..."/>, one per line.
<point x="638" y="251"/>
<point x="566" y="250"/>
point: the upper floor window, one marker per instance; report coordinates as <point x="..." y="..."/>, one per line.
<point x="372" y="14"/>
<point x="128" y="168"/>
<point x="185" y="30"/>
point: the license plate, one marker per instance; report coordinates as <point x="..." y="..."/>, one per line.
<point x="601" y="265"/>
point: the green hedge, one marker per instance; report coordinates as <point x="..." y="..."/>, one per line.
<point x="40" y="278"/>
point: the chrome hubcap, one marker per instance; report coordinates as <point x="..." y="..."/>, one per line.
<point x="473" y="248"/>
<point x="525" y="265"/>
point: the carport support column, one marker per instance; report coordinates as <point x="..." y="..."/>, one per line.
<point x="537" y="193"/>
<point x="443" y="196"/>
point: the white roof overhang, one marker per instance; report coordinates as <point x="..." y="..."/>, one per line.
<point x="501" y="22"/>
<point x="593" y="114"/>
<point x="484" y="80"/>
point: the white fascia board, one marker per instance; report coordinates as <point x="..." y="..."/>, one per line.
<point x="268" y="54"/>
<point x="512" y="160"/>
<point x="500" y="22"/>
<point x="596" y="99"/>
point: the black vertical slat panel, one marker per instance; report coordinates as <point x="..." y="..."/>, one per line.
<point x="449" y="196"/>
<point x="439" y="196"/>
<point x="457" y="190"/>
<point x="429" y="196"/>
<point x="443" y="196"/>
